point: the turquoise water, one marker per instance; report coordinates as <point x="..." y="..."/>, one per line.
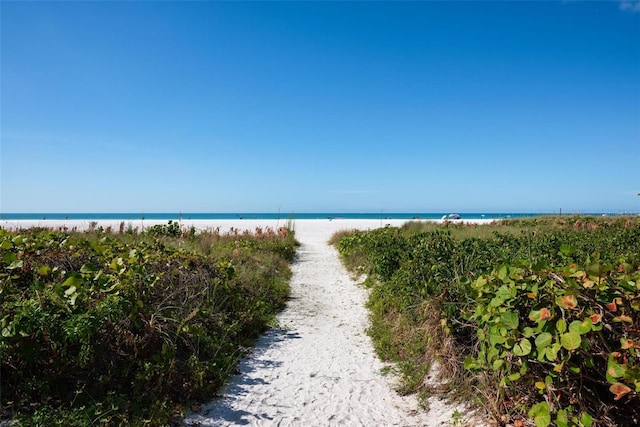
<point x="248" y="215"/>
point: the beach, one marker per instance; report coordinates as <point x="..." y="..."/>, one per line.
<point x="317" y="366"/>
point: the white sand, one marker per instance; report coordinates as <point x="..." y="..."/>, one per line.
<point x="319" y="367"/>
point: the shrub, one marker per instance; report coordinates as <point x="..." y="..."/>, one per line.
<point x="125" y="328"/>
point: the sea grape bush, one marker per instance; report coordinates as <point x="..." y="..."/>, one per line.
<point x="549" y="314"/>
<point x="107" y="329"/>
<point x="570" y="332"/>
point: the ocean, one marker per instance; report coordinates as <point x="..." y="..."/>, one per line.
<point x="261" y="215"/>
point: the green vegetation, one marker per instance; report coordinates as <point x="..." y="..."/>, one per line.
<point x="125" y="328"/>
<point x="536" y="318"/>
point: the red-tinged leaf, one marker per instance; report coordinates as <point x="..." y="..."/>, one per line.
<point x="619" y="390"/>
<point x="595" y="318"/>
<point x="579" y="274"/>
<point x="615" y="369"/>
<point x="623" y="318"/>
<point x="545" y="314"/>
<point x="612" y="306"/>
<point x="626" y="343"/>
<point x="567" y="301"/>
<point x="539" y="315"/>
<point x="588" y="284"/>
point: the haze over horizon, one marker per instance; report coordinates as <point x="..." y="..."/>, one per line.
<point x="458" y="106"/>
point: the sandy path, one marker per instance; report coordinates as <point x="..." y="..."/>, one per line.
<point x="319" y="368"/>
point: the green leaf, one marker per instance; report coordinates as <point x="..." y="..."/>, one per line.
<point x="614" y="369"/>
<point x="479" y="283"/>
<point x="570" y="340"/>
<point x="503" y="272"/>
<point x="541" y="414"/>
<point x="561" y="325"/>
<point x="586" y="419"/>
<point x="88" y="268"/>
<point x="562" y="420"/>
<point x="15" y="264"/>
<point x="495" y="337"/>
<point x="72" y="289"/>
<point x="510" y="320"/>
<point x="6" y="245"/>
<point x="8" y="257"/>
<point x="551" y="353"/>
<point x="581" y="327"/>
<point x="470" y="363"/>
<point x="544" y="339"/>
<point x="505" y="292"/>
<point x="44" y="270"/>
<point x="72" y="281"/>
<point x="522" y="347"/>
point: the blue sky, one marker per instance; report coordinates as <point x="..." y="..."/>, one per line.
<point x="320" y="106"/>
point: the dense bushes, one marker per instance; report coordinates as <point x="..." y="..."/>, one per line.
<point x="121" y="329"/>
<point x="546" y="312"/>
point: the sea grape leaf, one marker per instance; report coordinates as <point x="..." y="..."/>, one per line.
<point x="619" y="390"/>
<point x="510" y="320"/>
<point x="567" y="301"/>
<point x="44" y="270"/>
<point x="544" y="339"/>
<point x="561" y="326"/>
<point x="581" y="327"/>
<point x="570" y="340"/>
<point x="626" y="343"/>
<point x="72" y="281"/>
<point x="541" y="414"/>
<point x="552" y="352"/>
<point x="8" y="257"/>
<point x="522" y="347"/>
<point x="88" y="268"/>
<point x="539" y="315"/>
<point x="562" y="420"/>
<point x="614" y="369"/>
<point x="586" y="419"/>
<point x="15" y="264"/>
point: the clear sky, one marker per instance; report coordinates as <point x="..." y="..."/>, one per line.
<point x="320" y="106"/>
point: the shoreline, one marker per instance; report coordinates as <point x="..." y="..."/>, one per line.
<point x="224" y="225"/>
